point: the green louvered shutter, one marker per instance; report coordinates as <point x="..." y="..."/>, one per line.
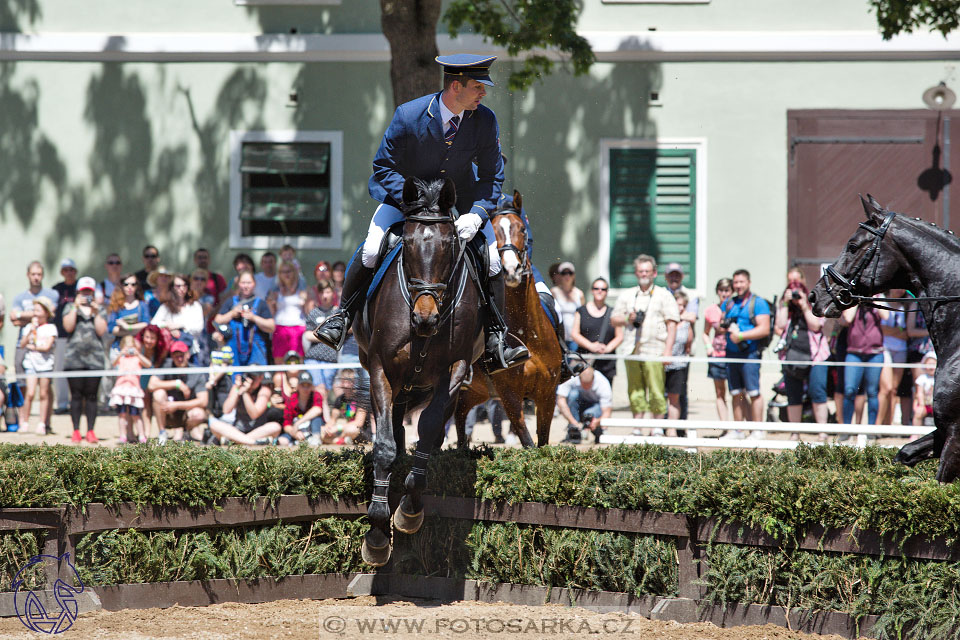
<point x="653" y="208"/>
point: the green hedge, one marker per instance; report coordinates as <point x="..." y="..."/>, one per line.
<point x="782" y="493"/>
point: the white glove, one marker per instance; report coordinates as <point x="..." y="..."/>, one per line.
<point x="467" y="225"/>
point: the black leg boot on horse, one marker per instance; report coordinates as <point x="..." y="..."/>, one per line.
<point x="572" y="363"/>
<point x="498" y="355"/>
<point x="333" y="332"/>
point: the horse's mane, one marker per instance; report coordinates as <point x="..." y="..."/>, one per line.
<point x="429" y="199"/>
<point x="930" y="229"/>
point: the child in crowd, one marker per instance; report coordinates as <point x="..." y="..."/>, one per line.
<point x="923" y="392"/>
<point x="127" y="394"/>
<point x="348" y="417"/>
<point x="38" y="340"/>
<point x="676" y="372"/>
<point x="303" y="414"/>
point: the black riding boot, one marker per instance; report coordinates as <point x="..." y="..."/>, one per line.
<point x="570" y="366"/>
<point x="499" y="356"/>
<point x="333" y="331"/>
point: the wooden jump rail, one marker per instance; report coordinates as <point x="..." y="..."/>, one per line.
<point x="65" y="524"/>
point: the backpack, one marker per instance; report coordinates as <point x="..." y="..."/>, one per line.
<point x="761" y="343"/>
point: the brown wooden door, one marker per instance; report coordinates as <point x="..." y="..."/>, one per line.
<point x="902" y="158"/>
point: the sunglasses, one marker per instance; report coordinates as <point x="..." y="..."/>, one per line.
<point x="114" y="262"/>
<point x="151" y="256"/>
<point x="179" y="354"/>
<point x="566" y="273"/>
<point x="199" y="279"/>
<point x="130" y="284"/>
<point x="600" y="288"/>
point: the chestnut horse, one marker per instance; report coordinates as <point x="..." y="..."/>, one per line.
<point x="418" y="337"/>
<point x="537" y="378"/>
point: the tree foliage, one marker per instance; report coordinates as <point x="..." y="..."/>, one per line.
<point x="907" y="16"/>
<point x="519" y="26"/>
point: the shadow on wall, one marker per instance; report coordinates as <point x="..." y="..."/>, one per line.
<point x="12" y="12"/>
<point x="557" y="155"/>
<point x="129" y="200"/>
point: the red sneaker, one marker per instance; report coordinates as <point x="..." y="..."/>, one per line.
<point x="91" y="437"/>
<point x="75" y="438"/>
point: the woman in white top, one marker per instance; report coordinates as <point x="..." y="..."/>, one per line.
<point x="182" y="314"/>
<point x="287" y="303"/>
<point x="569" y="298"/>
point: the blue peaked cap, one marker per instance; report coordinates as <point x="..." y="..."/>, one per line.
<point x="469" y="65"/>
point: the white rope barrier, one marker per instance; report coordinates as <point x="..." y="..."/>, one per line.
<point x="214" y="369"/>
<point x="774" y="361"/>
<point x="784" y="427"/>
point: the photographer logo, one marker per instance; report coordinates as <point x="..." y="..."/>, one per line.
<point x="30" y="607"/>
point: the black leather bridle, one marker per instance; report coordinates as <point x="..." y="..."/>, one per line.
<point x="525" y="269"/>
<point x="843" y="294"/>
<point x="436" y="290"/>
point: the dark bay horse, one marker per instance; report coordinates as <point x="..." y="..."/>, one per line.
<point x="537" y="378"/>
<point x="418" y="337"/>
<point x="893" y="251"/>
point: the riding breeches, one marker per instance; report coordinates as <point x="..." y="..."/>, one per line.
<point x="386" y="215"/>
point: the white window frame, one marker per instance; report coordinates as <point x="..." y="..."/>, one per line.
<point x="655" y="1"/>
<point x="335" y="239"/>
<point x="699" y="145"/>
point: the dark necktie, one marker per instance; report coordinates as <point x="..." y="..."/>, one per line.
<point x="452" y="131"/>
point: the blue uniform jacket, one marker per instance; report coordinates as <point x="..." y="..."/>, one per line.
<point x="413" y="145"/>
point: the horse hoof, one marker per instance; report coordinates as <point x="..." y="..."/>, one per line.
<point x="406" y="523"/>
<point x="375" y="553"/>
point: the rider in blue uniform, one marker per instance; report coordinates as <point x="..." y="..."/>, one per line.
<point x="434" y="137"/>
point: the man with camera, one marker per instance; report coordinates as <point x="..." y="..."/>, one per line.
<point x="180" y="400"/>
<point x="649" y="314"/>
<point x="583" y="401"/>
<point x="745" y="326"/>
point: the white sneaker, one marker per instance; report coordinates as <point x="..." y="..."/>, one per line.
<point x="162" y="436"/>
<point x="314" y="440"/>
<point x="758" y="435"/>
<point x="510" y="440"/>
<point x="657" y="432"/>
<point x="735" y="434"/>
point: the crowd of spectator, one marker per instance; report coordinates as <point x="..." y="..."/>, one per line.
<point x="158" y="317"/>
<point x="661" y="322"/>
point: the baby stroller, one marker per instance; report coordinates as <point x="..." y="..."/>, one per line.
<point x="777" y="407"/>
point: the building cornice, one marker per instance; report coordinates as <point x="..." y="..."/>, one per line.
<point x="609" y="46"/>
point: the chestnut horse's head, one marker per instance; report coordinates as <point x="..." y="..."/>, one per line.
<point x="431" y="250"/>
<point x="511" y="235"/>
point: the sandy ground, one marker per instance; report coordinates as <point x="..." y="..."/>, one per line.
<point x="371" y="617"/>
<point x="702" y="407"/>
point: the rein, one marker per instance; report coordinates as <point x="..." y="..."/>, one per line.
<point x="843" y="295"/>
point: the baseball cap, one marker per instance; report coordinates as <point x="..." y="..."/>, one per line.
<point x="291" y="355"/>
<point x="566" y="266"/>
<point x="86" y="282"/>
<point x="930" y="355"/>
<point x="674" y="266"/>
<point x="68" y="263"/>
<point x="179" y="346"/>
<point x="304" y="377"/>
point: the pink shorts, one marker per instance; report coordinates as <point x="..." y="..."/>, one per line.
<point x="287" y="339"/>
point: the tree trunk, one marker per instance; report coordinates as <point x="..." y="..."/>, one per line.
<point x="411" y="28"/>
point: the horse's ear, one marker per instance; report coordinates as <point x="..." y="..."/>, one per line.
<point x="517" y="200"/>
<point x="411" y="190"/>
<point x="871" y="207"/>
<point x="448" y="195"/>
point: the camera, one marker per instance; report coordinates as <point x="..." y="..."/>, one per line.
<point x="638" y="321"/>
<point x="795" y="295"/>
<point x="726" y="322"/>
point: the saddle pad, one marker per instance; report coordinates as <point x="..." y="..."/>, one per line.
<point x="384" y="265"/>
<point x="546" y="302"/>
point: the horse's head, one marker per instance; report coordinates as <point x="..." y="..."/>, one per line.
<point x="870" y="262"/>
<point x="431" y="249"/>
<point x="511" y="239"/>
